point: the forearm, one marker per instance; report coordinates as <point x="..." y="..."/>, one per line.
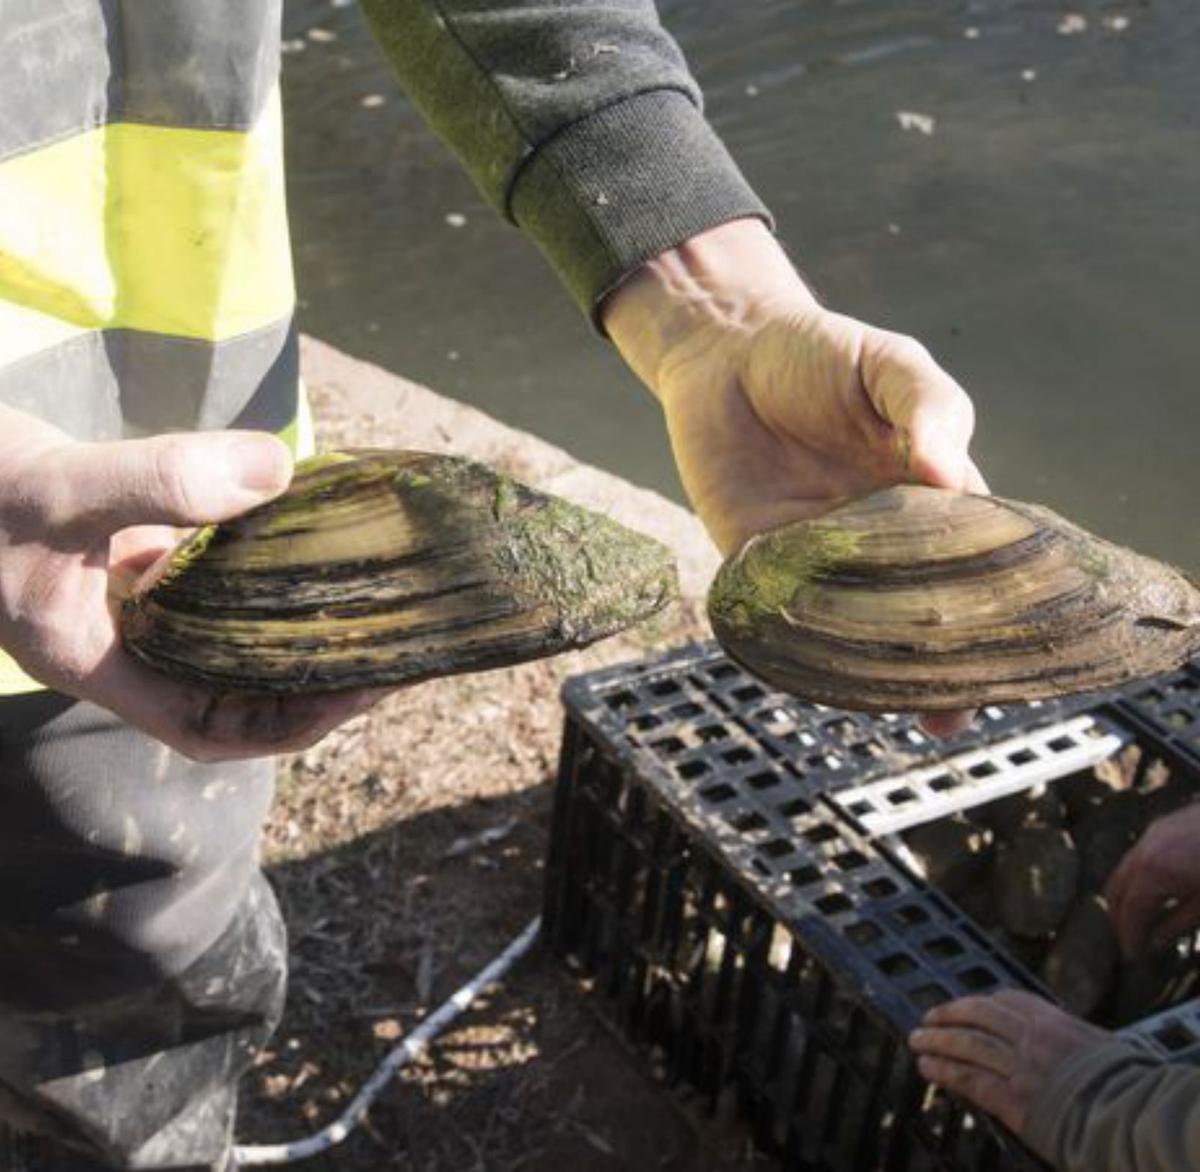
<point x="580" y="123"/>
<point x="1118" y="1109"/>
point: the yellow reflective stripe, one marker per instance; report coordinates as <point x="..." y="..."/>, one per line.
<point x="13" y="681"/>
<point x="168" y="230"/>
<point x="300" y="437"/>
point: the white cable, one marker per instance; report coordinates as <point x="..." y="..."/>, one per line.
<point x="411" y="1047"/>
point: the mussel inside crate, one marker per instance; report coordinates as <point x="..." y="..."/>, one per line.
<point x="1030" y="869"/>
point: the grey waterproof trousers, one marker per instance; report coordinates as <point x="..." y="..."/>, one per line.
<point x="142" y="955"/>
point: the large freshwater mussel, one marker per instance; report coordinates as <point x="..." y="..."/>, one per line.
<point x="922" y="599"/>
<point x="378" y="568"/>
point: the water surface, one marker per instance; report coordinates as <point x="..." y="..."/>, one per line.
<point x="1043" y="241"/>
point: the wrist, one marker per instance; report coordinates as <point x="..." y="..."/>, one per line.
<point x="732" y="278"/>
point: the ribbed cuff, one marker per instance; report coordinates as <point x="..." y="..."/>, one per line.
<point x="625" y="184"/>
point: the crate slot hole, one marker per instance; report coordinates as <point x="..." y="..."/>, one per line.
<point x="1022" y="756"/>
<point x="824" y="761"/>
<point x="621" y="700"/>
<point x="863" y="932"/>
<point x="748" y="692"/>
<point x="850" y="860"/>
<point x="820" y="833"/>
<point x="943" y="947"/>
<point x="977" y="977"/>
<point x="795" y="807"/>
<point x="880" y="887"/>
<point x="721" y="792"/>
<point x="834" y="902"/>
<point x="927" y="996"/>
<point x="649" y="720"/>
<point x="738" y="756"/>
<point x="804" y="875"/>
<point x="668" y="745"/>
<point x="901" y="796"/>
<point x="869" y="750"/>
<point x="1062" y="744"/>
<point x="750" y="820"/>
<point x="858" y="809"/>
<point x="690" y="769"/>
<point x="686" y="710"/>
<point x="984" y="769"/>
<point x="764" y="779"/>
<point x="712" y="732"/>
<point x="1175" y="1036"/>
<point x="899" y="964"/>
<point x="664" y="688"/>
<point x="912" y="913"/>
<point x="722" y="671"/>
<point x="944" y="782"/>
<point x="776" y="848"/>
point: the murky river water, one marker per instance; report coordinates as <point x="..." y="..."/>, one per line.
<point x="1043" y="241"/>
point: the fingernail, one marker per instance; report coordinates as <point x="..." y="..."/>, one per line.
<point x="259" y="463"/>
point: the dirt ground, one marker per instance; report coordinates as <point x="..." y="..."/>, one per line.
<point x="388" y="914"/>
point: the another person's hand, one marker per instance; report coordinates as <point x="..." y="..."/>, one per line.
<point x="999" y="1052"/>
<point x="76" y="517"/>
<point x="1154" y="894"/>
<point x="776" y="407"/>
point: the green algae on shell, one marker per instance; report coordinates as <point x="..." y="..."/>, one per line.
<point x="380" y="568"/>
<point x="918" y="598"/>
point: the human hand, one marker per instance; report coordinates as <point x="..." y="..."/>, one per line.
<point x="1000" y="1052"/>
<point x="776" y="407"/>
<point x="76" y="518"/>
<point x="1154" y="894"/>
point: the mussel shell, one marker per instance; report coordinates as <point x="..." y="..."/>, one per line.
<point x="918" y="598"/>
<point x="377" y="568"/>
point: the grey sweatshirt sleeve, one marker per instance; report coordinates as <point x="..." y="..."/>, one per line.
<point x="1117" y="1108"/>
<point x="577" y="119"/>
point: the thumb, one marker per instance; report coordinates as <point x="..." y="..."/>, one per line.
<point x="932" y="416"/>
<point x="172" y="479"/>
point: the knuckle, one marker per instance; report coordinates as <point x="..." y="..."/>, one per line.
<point x="170" y="481"/>
<point x="904" y="350"/>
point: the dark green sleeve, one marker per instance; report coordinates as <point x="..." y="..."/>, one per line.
<point x="578" y="120"/>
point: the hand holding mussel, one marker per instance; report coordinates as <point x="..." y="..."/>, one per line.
<point x="380" y="568"/>
<point x="922" y="599"/>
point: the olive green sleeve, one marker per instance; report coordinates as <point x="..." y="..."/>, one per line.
<point x="1117" y="1108"/>
<point x="578" y="121"/>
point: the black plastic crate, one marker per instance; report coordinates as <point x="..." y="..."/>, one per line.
<point x="717" y="874"/>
